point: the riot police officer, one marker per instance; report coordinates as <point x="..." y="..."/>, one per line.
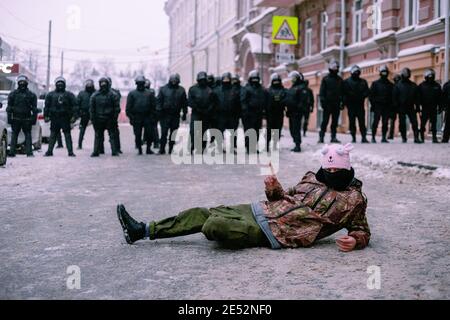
<point x="430" y="98"/>
<point x="331" y="99"/>
<point x="83" y="102"/>
<point x="202" y="100"/>
<point x="60" y="109"/>
<point x="141" y="110"/>
<point x="356" y="91"/>
<point x="394" y="113"/>
<point x="118" y="96"/>
<point x="297" y="102"/>
<point x="381" y="102"/>
<point x="213" y="83"/>
<point x="156" y="138"/>
<point x="254" y="99"/>
<point x="311" y="102"/>
<point x="275" y="110"/>
<point x="406" y="101"/>
<point x="237" y="109"/>
<point x="104" y="110"/>
<point x="228" y="101"/>
<point x="446" y="107"/>
<point x="172" y="101"/>
<point x="22" y="114"/>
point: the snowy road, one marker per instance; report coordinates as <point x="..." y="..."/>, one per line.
<point x="60" y="212"/>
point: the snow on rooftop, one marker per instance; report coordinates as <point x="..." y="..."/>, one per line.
<point x="255" y="43"/>
<point x="369" y="63"/>
<point x="415" y="50"/>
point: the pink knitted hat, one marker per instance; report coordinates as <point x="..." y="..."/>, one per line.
<point x="336" y="156"/>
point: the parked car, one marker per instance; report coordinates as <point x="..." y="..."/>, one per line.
<point x="36" y="130"/>
<point x="3" y="143"/>
<point x="44" y="126"/>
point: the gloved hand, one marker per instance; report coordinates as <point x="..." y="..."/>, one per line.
<point x="47" y="119"/>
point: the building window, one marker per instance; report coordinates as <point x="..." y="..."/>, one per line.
<point x="308" y="37"/>
<point x="439" y="7"/>
<point x="376" y="17"/>
<point x="323" y="30"/>
<point x="357" y="20"/>
<point x="411" y="12"/>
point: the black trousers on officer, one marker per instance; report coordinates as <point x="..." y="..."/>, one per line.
<point x="100" y="125"/>
<point x="274" y="128"/>
<point x="169" y="124"/>
<point x="306" y="123"/>
<point x="251" y="122"/>
<point x="334" y="112"/>
<point x="380" y="113"/>
<point x="392" y="121"/>
<point x="142" y="124"/>
<point x="195" y="133"/>
<point x="116" y="139"/>
<point x="357" y="112"/>
<point x="84" y="122"/>
<point x="429" y="114"/>
<point x="16" y="127"/>
<point x="446" y="136"/>
<point x="58" y="123"/>
<point x="295" y="127"/>
<point x="412" y="116"/>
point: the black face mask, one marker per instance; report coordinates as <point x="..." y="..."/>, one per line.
<point x="60" y="87"/>
<point x="339" y="180"/>
<point x="23" y="85"/>
<point x="141" y="86"/>
<point x="104" y="87"/>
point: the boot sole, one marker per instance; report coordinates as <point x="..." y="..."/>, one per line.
<point x="123" y="225"/>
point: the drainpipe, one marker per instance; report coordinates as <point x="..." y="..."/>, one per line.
<point x="447" y="40"/>
<point x="194" y="43"/>
<point x="343" y="36"/>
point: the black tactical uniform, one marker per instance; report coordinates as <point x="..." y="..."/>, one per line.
<point x="331" y="99"/>
<point x="254" y="99"/>
<point x="156" y="138"/>
<point x="104" y="110"/>
<point x="381" y="103"/>
<point x="311" y="101"/>
<point x="202" y="101"/>
<point x="83" y="101"/>
<point x="60" y="109"/>
<point x="228" y="107"/>
<point x="430" y="98"/>
<point x="141" y="110"/>
<point x="236" y="115"/>
<point x="297" y="102"/>
<point x="394" y="113"/>
<point x="275" y="110"/>
<point x="22" y="114"/>
<point x="446" y="107"/>
<point x="356" y="90"/>
<point x="406" y="100"/>
<point x="213" y="83"/>
<point x="172" y="101"/>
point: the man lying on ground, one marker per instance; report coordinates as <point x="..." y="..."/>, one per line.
<point x="322" y="204"/>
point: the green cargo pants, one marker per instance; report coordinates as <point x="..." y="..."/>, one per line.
<point x="232" y="227"/>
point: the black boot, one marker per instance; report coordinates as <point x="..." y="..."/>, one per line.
<point x="384" y="140"/>
<point x="321" y="138"/>
<point x="51" y="144"/>
<point x="171" y="146"/>
<point x="416" y="138"/>
<point x="59" y="139"/>
<point x="69" y="144"/>
<point x="162" y="149"/>
<point x="297" y="148"/>
<point x="353" y="138"/>
<point x="435" y="139"/>
<point x="364" y="140"/>
<point x="132" y="230"/>
<point x="374" y="140"/>
<point x="335" y="140"/>
<point x="139" y="150"/>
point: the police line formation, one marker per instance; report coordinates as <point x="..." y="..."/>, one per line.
<point x="220" y="103"/>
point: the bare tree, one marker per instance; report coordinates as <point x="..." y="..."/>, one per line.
<point x="158" y="75"/>
<point x="80" y="73"/>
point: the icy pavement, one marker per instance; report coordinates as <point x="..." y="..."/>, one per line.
<point x="60" y="212"/>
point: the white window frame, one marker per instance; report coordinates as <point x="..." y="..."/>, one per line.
<point x="377" y="16"/>
<point x="308" y="37"/>
<point x="357" y="25"/>
<point x="439" y="6"/>
<point x="411" y="21"/>
<point x="323" y="30"/>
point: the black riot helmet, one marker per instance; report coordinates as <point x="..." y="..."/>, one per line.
<point x="104" y="84"/>
<point x="275" y="79"/>
<point x="430" y="75"/>
<point x="226" y="79"/>
<point x="174" y="79"/>
<point x="253" y="77"/>
<point x="384" y="71"/>
<point x="355" y="71"/>
<point x="218" y="81"/>
<point x="140" y="82"/>
<point x="148" y="84"/>
<point x="22" y="82"/>
<point x="60" y="84"/>
<point x="397" y="78"/>
<point x="406" y="73"/>
<point x="89" y="85"/>
<point x="236" y="80"/>
<point x="202" y="78"/>
<point x="211" y="80"/>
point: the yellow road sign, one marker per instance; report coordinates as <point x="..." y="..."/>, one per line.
<point x="285" y="30"/>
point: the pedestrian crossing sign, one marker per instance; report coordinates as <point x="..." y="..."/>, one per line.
<point x="285" y="30"/>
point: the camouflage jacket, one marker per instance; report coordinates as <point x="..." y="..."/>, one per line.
<point x="311" y="211"/>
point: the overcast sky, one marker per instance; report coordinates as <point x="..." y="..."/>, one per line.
<point x="126" y="31"/>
